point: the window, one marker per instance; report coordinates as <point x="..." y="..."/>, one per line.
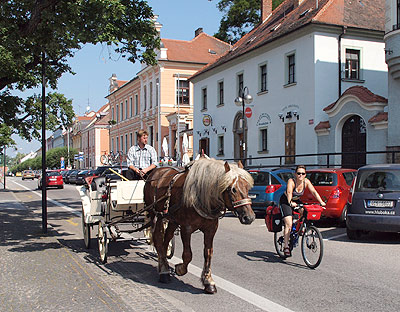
<point x="151" y="136"/>
<point x="144" y="98"/>
<point x="112" y="144"/>
<point x="112" y="114"/>
<point x="136" y="104"/>
<point x="221" y="93"/>
<point x="397" y="26"/>
<point x="352" y="68"/>
<point x="151" y="95"/>
<point x="122" y="144"/>
<point x="182" y="92"/>
<point x="122" y="111"/>
<point x="117" y="147"/>
<point x="263" y="78"/>
<point x="204" y="99"/>
<point x="291" y="69"/>
<point x="157" y="90"/>
<point x="126" y="109"/>
<point x="264" y="140"/>
<point x="131" y="106"/>
<point x="220" y="145"/>
<point x="130" y="139"/>
<point x="117" y="112"/>
<point x="239" y="84"/>
<point x="126" y="143"/>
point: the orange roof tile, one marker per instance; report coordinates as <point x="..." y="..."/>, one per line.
<point x="364" y="94"/>
<point x="286" y="18"/>
<point x="382" y="116"/>
<point x="323" y="125"/>
<point x="201" y="49"/>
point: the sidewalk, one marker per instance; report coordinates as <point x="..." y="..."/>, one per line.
<point x="38" y="273"/>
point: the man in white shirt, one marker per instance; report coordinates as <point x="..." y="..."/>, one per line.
<point x="142" y="158"/>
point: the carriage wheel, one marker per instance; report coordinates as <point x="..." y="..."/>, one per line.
<point x="86" y="231"/>
<point x="103" y="243"/>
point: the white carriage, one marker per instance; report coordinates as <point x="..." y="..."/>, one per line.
<point x="117" y="207"/>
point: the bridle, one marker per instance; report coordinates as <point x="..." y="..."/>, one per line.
<point x="238" y="203"/>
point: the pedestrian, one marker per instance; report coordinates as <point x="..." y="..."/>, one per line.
<point x="142" y="158"/>
<point x="291" y="198"/>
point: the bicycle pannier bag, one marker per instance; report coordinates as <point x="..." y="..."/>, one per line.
<point x="273" y="219"/>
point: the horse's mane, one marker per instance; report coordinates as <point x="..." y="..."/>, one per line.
<point x="205" y="183"/>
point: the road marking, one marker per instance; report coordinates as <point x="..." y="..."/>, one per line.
<point x="73" y="211"/>
<point x="336" y="236"/>
<point x="240" y="292"/>
<point x="72" y="222"/>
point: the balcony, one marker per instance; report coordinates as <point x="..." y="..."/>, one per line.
<point x="392" y="51"/>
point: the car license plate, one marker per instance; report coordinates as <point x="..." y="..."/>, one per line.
<point x="53" y="179"/>
<point x="252" y="196"/>
<point x="380" y="203"/>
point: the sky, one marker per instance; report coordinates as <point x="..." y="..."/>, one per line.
<point x="93" y="68"/>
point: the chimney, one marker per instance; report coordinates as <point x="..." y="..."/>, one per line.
<point x="198" y="31"/>
<point x="266" y="9"/>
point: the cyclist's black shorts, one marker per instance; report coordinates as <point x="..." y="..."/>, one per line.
<point x="286" y="209"/>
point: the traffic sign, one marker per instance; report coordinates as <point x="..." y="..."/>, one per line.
<point x="62" y="163"/>
<point x="248" y="112"/>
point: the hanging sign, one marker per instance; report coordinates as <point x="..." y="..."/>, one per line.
<point x="207" y="120"/>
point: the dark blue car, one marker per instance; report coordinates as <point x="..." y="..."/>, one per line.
<point x="269" y="185"/>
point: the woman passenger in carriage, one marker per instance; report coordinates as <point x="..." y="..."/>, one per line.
<point x="291" y="198"/>
<point x="142" y="158"/>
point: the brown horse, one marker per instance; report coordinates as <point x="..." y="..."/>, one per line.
<point x="195" y="199"/>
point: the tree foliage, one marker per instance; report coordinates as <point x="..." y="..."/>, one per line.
<point x="60" y="28"/>
<point x="240" y="16"/>
<point x="53" y="158"/>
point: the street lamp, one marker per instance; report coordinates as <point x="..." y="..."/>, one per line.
<point x="243" y="99"/>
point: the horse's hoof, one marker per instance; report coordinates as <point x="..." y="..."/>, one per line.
<point x="210" y="289"/>
<point x="165" y="278"/>
<point x="180" y="269"/>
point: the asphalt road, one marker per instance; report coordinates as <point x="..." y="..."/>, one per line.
<point x="353" y="276"/>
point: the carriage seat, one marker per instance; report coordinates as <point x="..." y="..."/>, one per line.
<point x="98" y="183"/>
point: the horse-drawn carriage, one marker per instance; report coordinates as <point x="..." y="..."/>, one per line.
<point x="185" y="199"/>
<point x="116" y="206"/>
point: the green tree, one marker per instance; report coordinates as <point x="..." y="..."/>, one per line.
<point x="60" y="28"/>
<point x="240" y="16"/>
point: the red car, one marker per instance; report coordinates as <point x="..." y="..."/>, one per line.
<point x="333" y="185"/>
<point x="53" y="178"/>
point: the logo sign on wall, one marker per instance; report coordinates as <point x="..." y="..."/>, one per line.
<point x="263" y="120"/>
<point x="207" y="120"/>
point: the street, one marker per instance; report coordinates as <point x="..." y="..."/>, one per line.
<point x="353" y="276"/>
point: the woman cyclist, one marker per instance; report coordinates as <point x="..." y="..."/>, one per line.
<point x="291" y="198"/>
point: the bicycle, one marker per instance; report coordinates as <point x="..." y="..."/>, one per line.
<point x="110" y="159"/>
<point x="312" y="247"/>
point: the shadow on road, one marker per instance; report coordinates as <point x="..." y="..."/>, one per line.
<point x="267" y="256"/>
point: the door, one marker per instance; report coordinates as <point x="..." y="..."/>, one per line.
<point x="290" y="142"/>
<point x="354" y="138"/>
<point x="204" y="145"/>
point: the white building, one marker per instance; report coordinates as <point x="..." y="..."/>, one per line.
<point x="290" y="66"/>
<point x="392" y="41"/>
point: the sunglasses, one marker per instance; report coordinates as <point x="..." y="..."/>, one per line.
<point x="300" y="173"/>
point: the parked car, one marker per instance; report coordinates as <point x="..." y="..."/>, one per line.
<point x="68" y="175"/>
<point x="333" y="185"/>
<point x="73" y="176"/>
<point x="82" y="175"/>
<point x="375" y="200"/>
<point x="53" y="178"/>
<point x="269" y="185"/>
<point x="18" y="174"/>
<point x="63" y="173"/>
<point x="28" y="174"/>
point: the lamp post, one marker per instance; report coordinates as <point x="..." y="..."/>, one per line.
<point x="243" y="99"/>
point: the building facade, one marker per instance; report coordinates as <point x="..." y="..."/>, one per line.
<point x="159" y="98"/>
<point x="392" y="52"/>
<point x="298" y="61"/>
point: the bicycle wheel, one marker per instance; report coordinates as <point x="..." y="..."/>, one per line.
<point x="104" y="159"/>
<point x="278" y="242"/>
<point x="312" y="247"/>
